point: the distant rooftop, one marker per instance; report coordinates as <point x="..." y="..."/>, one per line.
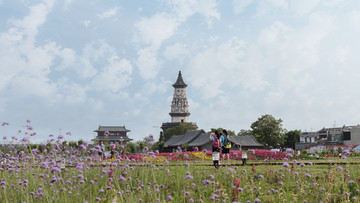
<point x="111" y="128"/>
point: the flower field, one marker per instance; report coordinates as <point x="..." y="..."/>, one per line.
<point x="58" y="173"/>
<point x="28" y="176"/>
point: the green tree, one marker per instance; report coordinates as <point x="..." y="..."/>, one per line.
<point x="244" y="132"/>
<point x="268" y="130"/>
<point x="130" y="147"/>
<point x="158" y="146"/>
<point x="178" y="130"/>
<point x="230" y="132"/>
<point x="291" y="138"/>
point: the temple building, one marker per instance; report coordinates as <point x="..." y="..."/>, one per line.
<point x="112" y="134"/>
<point x="179" y="106"/>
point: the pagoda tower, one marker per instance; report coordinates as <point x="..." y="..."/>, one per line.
<point x="179" y="106"/>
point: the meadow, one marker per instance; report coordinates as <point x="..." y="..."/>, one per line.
<point x="54" y="172"/>
<point x="33" y="177"/>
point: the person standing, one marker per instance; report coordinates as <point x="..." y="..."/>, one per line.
<point x="224" y="139"/>
<point x="102" y="150"/>
<point x="215" y="147"/>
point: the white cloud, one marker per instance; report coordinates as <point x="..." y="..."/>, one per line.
<point x="186" y="8"/>
<point x="94" y="53"/>
<point x="68" y="3"/>
<point x="26" y="65"/>
<point x="115" y="76"/>
<point x="354" y="17"/>
<point x="37" y="16"/>
<point x="148" y="63"/>
<point x="333" y="2"/>
<point x="108" y="13"/>
<point x="240" y="5"/>
<point x="176" y="51"/>
<point x="276" y="33"/>
<point x="269" y="6"/>
<point x="303" y="7"/>
<point x="224" y="66"/>
<point x="342" y="53"/>
<point x="153" y="31"/>
<point x="86" y="23"/>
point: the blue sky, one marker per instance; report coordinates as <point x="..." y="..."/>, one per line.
<point x="75" y="65"/>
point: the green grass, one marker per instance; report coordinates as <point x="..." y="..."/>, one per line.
<point x="151" y="183"/>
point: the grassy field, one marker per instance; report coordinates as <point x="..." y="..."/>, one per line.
<point x="119" y="181"/>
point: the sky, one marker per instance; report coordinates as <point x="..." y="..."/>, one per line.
<point x="72" y="65"/>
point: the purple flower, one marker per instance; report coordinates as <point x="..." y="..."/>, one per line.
<point x="61" y="137"/>
<point x="169" y="198"/>
<point x="97" y="199"/>
<point x="285" y="164"/>
<point x="101" y="190"/>
<point x="289" y="150"/>
<point x="25" y="139"/>
<point x="55" y="169"/>
<point x="257" y="200"/>
<point x="351" y="182"/>
<point x="308" y="175"/>
<point x="260" y="176"/>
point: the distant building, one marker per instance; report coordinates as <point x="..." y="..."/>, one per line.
<point x="179" y="106"/>
<point x="198" y="139"/>
<point x="346" y="135"/>
<point x="112" y="134"/>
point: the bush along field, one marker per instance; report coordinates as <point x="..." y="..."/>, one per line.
<point x="58" y="173"/>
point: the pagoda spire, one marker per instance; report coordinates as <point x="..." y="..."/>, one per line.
<point x="179" y="82"/>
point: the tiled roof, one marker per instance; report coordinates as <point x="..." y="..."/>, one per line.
<point x="188" y="137"/>
<point x="200" y="140"/>
<point x="246" y="140"/>
<point x="112" y="128"/>
<point x="173" y="139"/>
<point x="196" y="138"/>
